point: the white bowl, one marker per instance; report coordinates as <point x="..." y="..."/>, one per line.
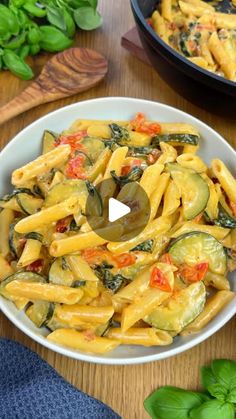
<point x="27" y="145"/>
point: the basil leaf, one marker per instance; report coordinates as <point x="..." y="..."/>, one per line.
<point x="85" y="3"/>
<point x="173" y="403"/>
<point x="207" y="377"/>
<point x="218" y="391"/>
<point x="225" y="372"/>
<point x="214" y="409"/>
<point x="55" y="17"/>
<point x="87" y="18"/>
<point x="231" y="398"/>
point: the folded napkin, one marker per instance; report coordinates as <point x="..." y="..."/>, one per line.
<point x="31" y="389"/>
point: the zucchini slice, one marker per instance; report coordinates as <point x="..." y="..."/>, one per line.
<point x="176" y="139"/>
<point x="60" y="273"/>
<point x="14" y="243"/>
<point x="93" y="147"/>
<point x="195" y="247"/>
<point x="66" y="189"/>
<point x="49" y="139"/>
<point x="179" y="310"/>
<point x="29" y="204"/>
<point x="192" y="187"/>
<point x="40" y="313"/>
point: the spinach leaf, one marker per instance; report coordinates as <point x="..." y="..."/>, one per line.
<point x="110" y="281"/>
<point x="145" y="246"/>
<point x="78" y="283"/>
<point x="213" y="409"/>
<point x="95" y="199"/>
<point x="119" y="134"/>
<point x="225" y="372"/>
<point x="207" y="377"/>
<point x="133" y="176"/>
<point x="173" y="403"/>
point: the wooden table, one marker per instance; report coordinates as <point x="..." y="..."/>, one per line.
<point x="122" y="387"/>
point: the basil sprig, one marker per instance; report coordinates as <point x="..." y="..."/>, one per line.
<point x="218" y="401"/>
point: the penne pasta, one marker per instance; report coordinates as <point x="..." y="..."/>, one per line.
<point x="225" y="178"/>
<point x="41" y="165"/>
<point x="141" y="336"/>
<point x="83" y="341"/>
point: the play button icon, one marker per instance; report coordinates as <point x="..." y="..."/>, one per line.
<point x="117" y="213"/>
<point x="117" y="210"/>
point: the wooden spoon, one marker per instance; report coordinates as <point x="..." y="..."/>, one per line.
<point x="67" y="73"/>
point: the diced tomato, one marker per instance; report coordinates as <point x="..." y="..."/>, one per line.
<point x="232" y="206"/>
<point x="124" y="259"/>
<point x="140" y="124"/>
<point x="193" y="273"/>
<point x="159" y="280"/>
<point x="96" y="255"/>
<point x="74" y="140"/>
<point x="166" y="258"/>
<point x="149" y="21"/>
<point x="75" y="167"/>
<point x="192" y="45"/>
<point x="89" y="335"/>
<point x="126" y="169"/>
<point x="198" y="218"/>
<point x="62" y="225"/>
<point x="153" y="156"/>
<point x="36" y="266"/>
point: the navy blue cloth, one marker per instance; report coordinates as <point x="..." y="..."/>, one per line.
<point x="32" y="389"/>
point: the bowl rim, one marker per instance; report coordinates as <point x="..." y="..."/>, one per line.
<point x="196" y="339"/>
<point x="176" y="54"/>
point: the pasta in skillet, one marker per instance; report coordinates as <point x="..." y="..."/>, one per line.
<point x="200" y="33"/>
<point x="93" y="293"/>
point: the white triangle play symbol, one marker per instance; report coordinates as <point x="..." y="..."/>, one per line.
<point x="116" y="210"/>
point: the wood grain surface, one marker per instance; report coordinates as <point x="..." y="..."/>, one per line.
<point x="122" y="387"/>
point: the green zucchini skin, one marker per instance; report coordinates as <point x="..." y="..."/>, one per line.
<point x="176" y="138"/>
<point x="29" y="204"/>
<point x="224" y="218"/>
<point x="133" y="176"/>
<point x="15" y="192"/>
<point x="14" y="240"/>
<point x="40" y="313"/>
<point x="195" y="247"/>
<point x="193" y="189"/>
<point x="34" y="236"/>
<point x="49" y="140"/>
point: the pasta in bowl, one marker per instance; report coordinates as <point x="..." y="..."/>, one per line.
<point x="128" y="301"/>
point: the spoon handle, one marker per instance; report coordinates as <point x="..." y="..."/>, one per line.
<point x="29" y="98"/>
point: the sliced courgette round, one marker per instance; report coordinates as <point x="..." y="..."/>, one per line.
<point x="179" y="310"/>
<point x="40" y="313"/>
<point x="93" y="147"/>
<point x="66" y="189"/>
<point x="29" y="204"/>
<point x="192" y="187"/>
<point x="49" y="140"/>
<point x="176" y="139"/>
<point x="60" y="273"/>
<point x="14" y="241"/>
<point x="196" y="247"/>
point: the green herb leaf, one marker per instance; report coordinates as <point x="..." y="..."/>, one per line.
<point x="119" y="134"/>
<point x="144" y="246"/>
<point x="173" y="403"/>
<point x="213" y="409"/>
<point x="87" y="18"/>
<point x="134" y="175"/>
<point x="207" y="377"/>
<point x="231" y="398"/>
<point x="218" y="391"/>
<point x="55" y="17"/>
<point x="225" y="372"/>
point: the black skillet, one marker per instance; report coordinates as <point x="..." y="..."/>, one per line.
<point x="201" y="87"/>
